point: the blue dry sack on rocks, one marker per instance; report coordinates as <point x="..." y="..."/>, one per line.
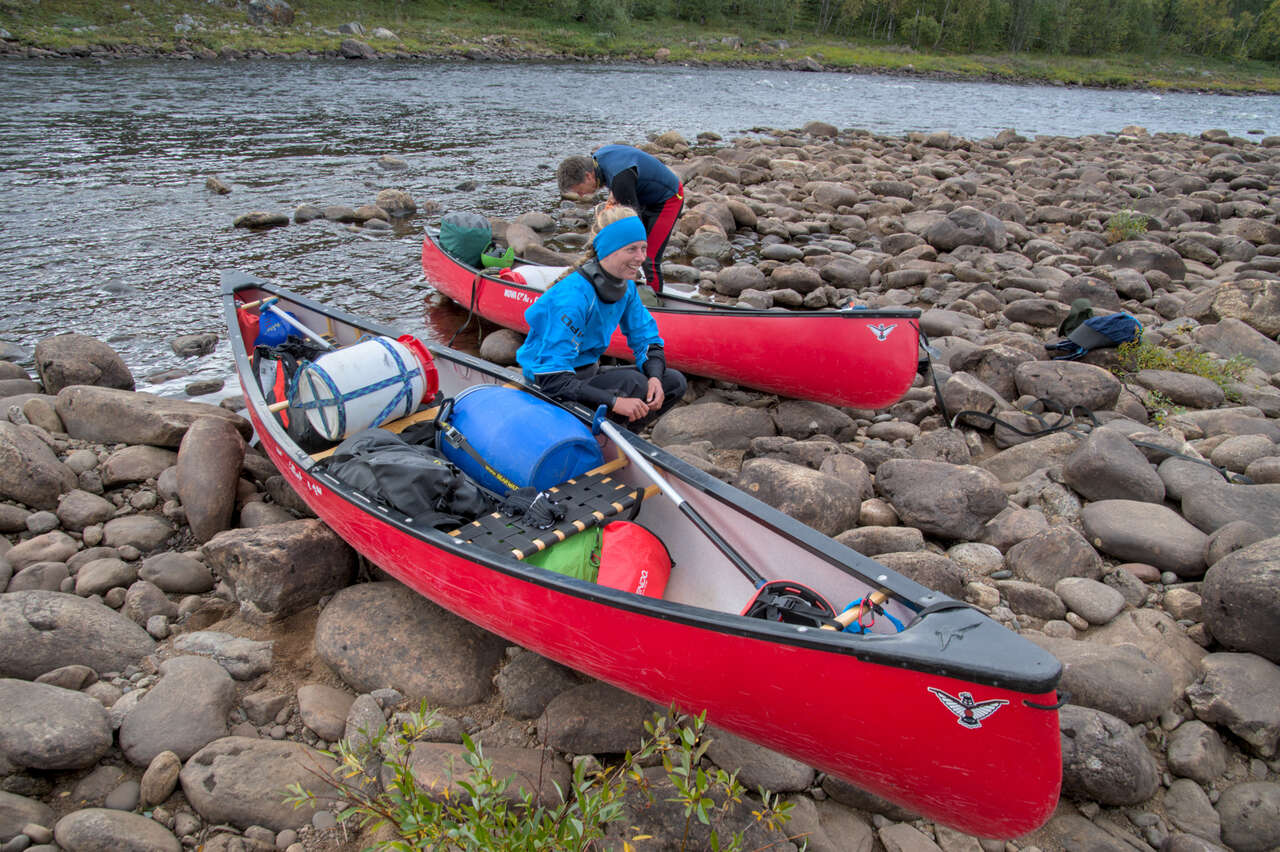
<point x="1097" y="333"/>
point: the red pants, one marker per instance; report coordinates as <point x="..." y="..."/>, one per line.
<point x="659" y="226"/>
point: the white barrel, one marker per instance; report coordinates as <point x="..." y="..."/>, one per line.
<point x="362" y="385"/>
<point x="540" y="277"/>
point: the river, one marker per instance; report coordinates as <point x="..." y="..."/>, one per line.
<point x="107" y="227"/>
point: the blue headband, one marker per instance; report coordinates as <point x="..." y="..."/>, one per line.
<point x="621" y="233"/>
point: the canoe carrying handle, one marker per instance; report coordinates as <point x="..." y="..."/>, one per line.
<point x="1063" y="698"/>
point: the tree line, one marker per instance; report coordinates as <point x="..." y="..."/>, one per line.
<point x="1229" y="29"/>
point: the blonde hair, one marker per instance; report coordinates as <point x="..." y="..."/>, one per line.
<point x="605" y="214"/>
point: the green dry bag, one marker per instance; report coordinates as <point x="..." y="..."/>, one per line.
<point x="577" y="556"/>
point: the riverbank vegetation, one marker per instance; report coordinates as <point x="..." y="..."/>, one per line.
<point x="1213" y="45"/>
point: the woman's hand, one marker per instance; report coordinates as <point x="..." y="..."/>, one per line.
<point x="655" y="397"/>
<point x="631" y="407"/>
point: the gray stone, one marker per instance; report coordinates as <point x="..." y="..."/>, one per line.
<point x="1057" y="553"/>
<point x="1108" y="467"/>
<point x="31" y="474"/>
<point x="244" y="659"/>
<point x="16" y="812"/>
<point x="238" y="780"/>
<point x="823" y="502"/>
<point x="46" y="727"/>
<point x="1190" y="810"/>
<point x="280" y="570"/>
<point x="1103" y="760"/>
<point x="873" y="541"/>
<point x="1096" y="603"/>
<point x="931" y="570"/>
<point x="183" y="712"/>
<point x="125" y="797"/>
<point x="77" y="359"/>
<point x="177" y="573"/>
<point x="324" y="709"/>
<point x="40" y="631"/>
<point x="1196" y="751"/>
<point x="146" y="532"/>
<point x="79" y="509"/>
<point x="1031" y="599"/>
<point x="209" y="460"/>
<point x="594" y="718"/>
<point x="1137" y="531"/>
<point x="45" y="576"/>
<point x="134" y="464"/>
<point x="1231" y="336"/>
<point x="1118" y="680"/>
<point x="1069" y="383"/>
<point x="160" y="779"/>
<point x="534" y="771"/>
<point x="1250" y="814"/>
<point x="529" y="682"/>
<point x="729" y="427"/>
<point x="1242" y="693"/>
<point x="100" y="575"/>
<point x="1021" y="460"/>
<point x="360" y="633"/>
<point x="952" y="502"/>
<point x="1241" y="604"/>
<point x="1157" y="636"/>
<point x="109" y="416"/>
<point x="756" y="765"/>
<point x="107" y="830"/>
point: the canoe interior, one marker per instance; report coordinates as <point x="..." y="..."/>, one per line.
<point x="825" y="697"/>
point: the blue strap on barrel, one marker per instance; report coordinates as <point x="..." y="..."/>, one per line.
<point x="339" y="399"/>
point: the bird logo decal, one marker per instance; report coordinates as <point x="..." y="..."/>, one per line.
<point x="969" y="713"/>
<point x="881" y="330"/>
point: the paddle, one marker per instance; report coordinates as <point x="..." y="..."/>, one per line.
<point x="776" y="600"/>
<point x="269" y="304"/>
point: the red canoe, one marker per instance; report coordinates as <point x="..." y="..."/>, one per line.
<point x="857" y="358"/>
<point x="951" y="715"/>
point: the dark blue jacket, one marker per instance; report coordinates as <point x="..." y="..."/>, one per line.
<point x="636" y="179"/>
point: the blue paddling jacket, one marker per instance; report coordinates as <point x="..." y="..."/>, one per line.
<point x="570" y="327"/>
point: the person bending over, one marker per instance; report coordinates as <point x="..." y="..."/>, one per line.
<point x="570" y="326"/>
<point x="636" y="180"/>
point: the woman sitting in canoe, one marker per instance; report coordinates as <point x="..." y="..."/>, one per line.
<point x="570" y="326"/>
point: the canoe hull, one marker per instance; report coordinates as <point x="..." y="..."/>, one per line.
<point x="836" y="706"/>
<point x="857" y="358"/>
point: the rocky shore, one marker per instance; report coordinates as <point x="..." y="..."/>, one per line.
<point x="179" y="638"/>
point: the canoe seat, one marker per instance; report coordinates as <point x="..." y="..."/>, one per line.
<point x="590" y="500"/>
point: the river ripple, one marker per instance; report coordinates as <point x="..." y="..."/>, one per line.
<point x="107" y="228"/>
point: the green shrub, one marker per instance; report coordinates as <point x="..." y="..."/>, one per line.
<point x="1126" y="225"/>
<point x="1136" y="355"/>
<point x="473" y="813"/>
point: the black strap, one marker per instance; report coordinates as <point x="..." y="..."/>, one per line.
<point x="1066" y="419"/>
<point x="792" y="603"/>
<point x="1229" y="476"/>
<point x="471" y="309"/>
<point x="451" y="434"/>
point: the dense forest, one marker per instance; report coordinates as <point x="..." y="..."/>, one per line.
<point x="1228" y="29"/>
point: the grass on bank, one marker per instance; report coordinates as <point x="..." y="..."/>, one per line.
<point x="439" y="27"/>
<point x="1136" y="356"/>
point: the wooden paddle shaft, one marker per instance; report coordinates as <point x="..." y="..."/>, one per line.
<point x="876" y="598"/>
